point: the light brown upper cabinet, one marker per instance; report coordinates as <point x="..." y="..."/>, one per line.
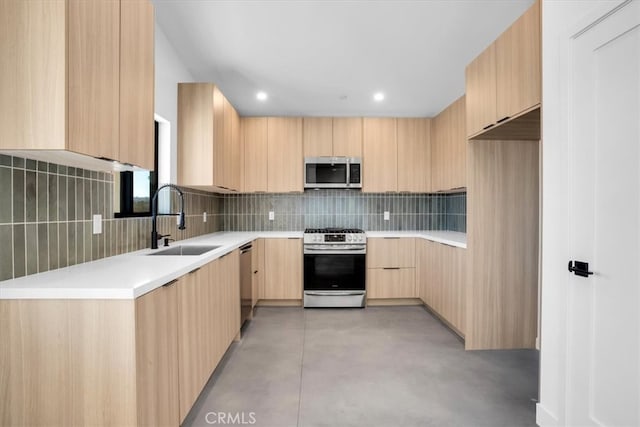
<point x="449" y="148"/>
<point x="503" y="84"/>
<point x="137" y="75"/>
<point x="77" y="76"/>
<point x="414" y="155"/>
<point x="254" y="133"/>
<point x="317" y="136"/>
<point x="284" y="154"/>
<point x="380" y="155"/>
<point x="337" y="136"/>
<point x="208" y="148"/>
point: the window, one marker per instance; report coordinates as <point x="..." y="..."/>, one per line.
<point x="133" y="189"/>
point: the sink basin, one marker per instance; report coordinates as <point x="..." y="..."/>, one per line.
<point x="185" y="250"/>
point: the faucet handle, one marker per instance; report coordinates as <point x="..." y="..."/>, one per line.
<point x="167" y="240"/>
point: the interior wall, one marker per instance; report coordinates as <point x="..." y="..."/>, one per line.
<point x="170" y="71"/>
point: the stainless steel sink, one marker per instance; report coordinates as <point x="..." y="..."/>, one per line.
<point x="185" y="250"/>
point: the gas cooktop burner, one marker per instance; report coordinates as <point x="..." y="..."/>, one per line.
<point x="333" y="230"/>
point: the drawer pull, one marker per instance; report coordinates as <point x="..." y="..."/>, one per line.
<point x="391" y="268"/>
<point x="391" y="238"/>
<point x="488" y="126"/>
<point x="170" y="283"/>
<point x="503" y="119"/>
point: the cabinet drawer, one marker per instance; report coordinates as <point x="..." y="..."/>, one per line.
<point x="391" y="252"/>
<point x="391" y="283"/>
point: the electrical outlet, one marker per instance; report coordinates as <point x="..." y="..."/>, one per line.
<point x="386" y="216"/>
<point x="204" y="217"/>
<point x="272" y="215"/>
<point x="97" y="224"/>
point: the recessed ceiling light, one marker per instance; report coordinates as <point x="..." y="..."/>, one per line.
<point x="379" y="96"/>
<point x="261" y="96"/>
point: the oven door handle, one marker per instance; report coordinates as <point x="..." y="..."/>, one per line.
<point x="334" y="293"/>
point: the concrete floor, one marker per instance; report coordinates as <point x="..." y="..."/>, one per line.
<point x="381" y="366"/>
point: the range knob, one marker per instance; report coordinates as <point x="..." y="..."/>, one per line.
<point x="349" y="237"/>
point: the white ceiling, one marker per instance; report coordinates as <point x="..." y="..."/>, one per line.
<point x="308" y="54"/>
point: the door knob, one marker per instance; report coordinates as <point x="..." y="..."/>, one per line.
<point x="580" y="268"/>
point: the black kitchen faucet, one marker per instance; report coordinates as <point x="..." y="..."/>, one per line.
<point x="154" y="232"/>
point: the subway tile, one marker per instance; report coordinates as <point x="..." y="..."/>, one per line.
<point x="79" y="199"/>
<point x="5" y="160"/>
<point x="53" y="168"/>
<point x="53" y="197"/>
<point x="42" y="190"/>
<point x="54" y="256"/>
<point x="43" y="166"/>
<point x="43" y="247"/>
<point x="62" y="170"/>
<point x="72" y="244"/>
<point x="63" y="248"/>
<point x="31" y="248"/>
<point x="6" y="195"/>
<point x="87" y="200"/>
<point x="71" y="198"/>
<point x="18" y="195"/>
<point x="87" y="232"/>
<point x="19" y="260"/>
<point x="31" y="164"/>
<point x="6" y="251"/>
<point x="94" y="198"/>
<point x="18" y="162"/>
<point x="62" y="198"/>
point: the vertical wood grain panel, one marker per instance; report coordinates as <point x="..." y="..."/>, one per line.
<point x="284" y="154"/>
<point x="481" y="91"/>
<point x="137" y="76"/>
<point x="195" y="134"/>
<point x="502" y="279"/>
<point x="317" y="136"/>
<point x="414" y="155"/>
<point x="254" y="130"/>
<point x="380" y="155"/>
<point x="157" y="357"/>
<point x="397" y="283"/>
<point x="93" y="69"/>
<point x="383" y="252"/>
<point x="33" y="69"/>
<point x="347" y="136"/>
<point x="283" y="268"/>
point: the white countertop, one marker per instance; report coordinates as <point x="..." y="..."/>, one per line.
<point x="131" y="275"/>
<point x="451" y="238"/>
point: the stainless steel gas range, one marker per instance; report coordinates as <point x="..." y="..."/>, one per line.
<point x="334" y="267"/>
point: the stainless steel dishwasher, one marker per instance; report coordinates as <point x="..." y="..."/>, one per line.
<point x="245" y="282"/>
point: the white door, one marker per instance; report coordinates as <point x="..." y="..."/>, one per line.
<point x="602" y="339"/>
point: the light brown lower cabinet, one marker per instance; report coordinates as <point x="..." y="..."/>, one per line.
<point x="441" y="277"/>
<point x="283" y="269"/>
<point x="257" y="272"/>
<point x="391" y="282"/>
<point x="139" y="362"/>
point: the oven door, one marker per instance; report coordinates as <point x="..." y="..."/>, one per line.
<point x="334" y="272"/>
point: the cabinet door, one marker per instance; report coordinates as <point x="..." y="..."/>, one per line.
<point x="317" y="136"/>
<point x="481" y="91"/>
<point x="230" y="266"/>
<point x="157" y="357"/>
<point x="390" y="252"/>
<point x="195" y="134"/>
<point x="347" y="136"/>
<point x="423" y="254"/>
<point x="380" y="159"/>
<point x="283" y="268"/>
<point x="137" y="83"/>
<point x="284" y="154"/>
<point x="391" y="283"/>
<point x="33" y="70"/>
<point x="518" y="60"/>
<point x="254" y="131"/>
<point x="234" y="160"/>
<point x="414" y="155"/>
<point x="449" y="148"/>
<point x="453" y="284"/>
<point x="257" y="272"/>
<point x="93" y="76"/>
<point x="194" y="336"/>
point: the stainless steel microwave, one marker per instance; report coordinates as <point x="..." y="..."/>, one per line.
<point x="332" y="172"/>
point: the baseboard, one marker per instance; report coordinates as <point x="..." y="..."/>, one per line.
<point x="393" y="301"/>
<point x="544" y="417"/>
<point x="442" y="320"/>
<point x="279" y="303"/>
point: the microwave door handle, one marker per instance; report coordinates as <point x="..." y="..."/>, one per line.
<point x="348" y="172"/>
